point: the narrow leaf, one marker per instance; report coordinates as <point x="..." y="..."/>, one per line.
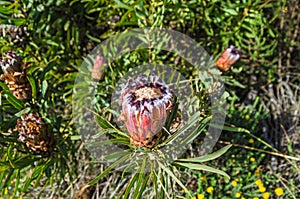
<point x="202" y="167"/>
<point x="94" y="181"/>
<point x="207" y="157"/>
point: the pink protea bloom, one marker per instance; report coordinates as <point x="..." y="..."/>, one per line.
<point x="98" y="68"/>
<point x="228" y="58"/>
<point x="146" y="104"/>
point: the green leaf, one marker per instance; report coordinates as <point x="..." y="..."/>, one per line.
<point x="171" y="174"/>
<point x="10" y="152"/>
<point x="112" y="166"/>
<point x="4" y="86"/>
<point x="33" y="86"/>
<point x="140" y="179"/>
<point x="18" y="104"/>
<point x="23" y="161"/>
<point x="202" y="167"/>
<point x="207" y="157"/>
<point x="230" y="11"/>
<point x="130" y="185"/>
<point x="121" y="5"/>
<point x="103" y="123"/>
<point x="20" y="113"/>
<point x="145" y="181"/>
<point x="44" y="87"/>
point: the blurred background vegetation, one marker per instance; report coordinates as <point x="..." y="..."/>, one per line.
<point x="263" y="106"/>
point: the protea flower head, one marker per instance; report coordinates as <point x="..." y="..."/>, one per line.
<point x="228" y="58"/>
<point x="98" y="68"/>
<point x="146" y="104"/>
<point x="15" y="75"/>
<point x="33" y="132"/>
<point x="17" y="34"/>
<point x="11" y="62"/>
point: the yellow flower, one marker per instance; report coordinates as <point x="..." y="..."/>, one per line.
<point x="252" y="159"/>
<point x="209" y="189"/>
<point x="233" y="160"/>
<point x="259" y="183"/>
<point x="257" y="172"/>
<point x="238" y="194"/>
<point x="200" y="196"/>
<point x="266" y="195"/>
<point x="262" y="189"/>
<point x="234" y="183"/>
<point x="6" y="191"/>
<point x="203" y="178"/>
<point x="247" y="117"/>
<point x="243" y="198"/>
<point x="256" y="198"/>
<point x="194" y="197"/>
<point x="278" y="191"/>
<point x="251" y="141"/>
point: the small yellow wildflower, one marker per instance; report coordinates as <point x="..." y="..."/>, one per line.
<point x="278" y="191"/>
<point x="266" y="195"/>
<point x="203" y="178"/>
<point x="247" y="117"/>
<point x="200" y="196"/>
<point x="259" y="183"/>
<point x="255" y="198"/>
<point x="194" y="197"/>
<point x="238" y="194"/>
<point x="251" y="140"/>
<point x="6" y="191"/>
<point x="262" y="189"/>
<point x="233" y="160"/>
<point x="257" y="172"/>
<point x="209" y="189"/>
<point x="252" y="159"/>
<point x="234" y="183"/>
<point x="243" y="198"/>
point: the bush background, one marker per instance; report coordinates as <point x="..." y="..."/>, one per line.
<point x="263" y="90"/>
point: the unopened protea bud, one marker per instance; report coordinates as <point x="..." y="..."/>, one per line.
<point x="15" y="75"/>
<point x="146" y="104"/>
<point x="98" y="68"/>
<point x="33" y="132"/>
<point x="228" y="58"/>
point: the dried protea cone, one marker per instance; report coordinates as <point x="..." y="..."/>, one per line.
<point x="17" y="34"/>
<point x="33" y="132"/>
<point x="146" y="104"/>
<point x="15" y="75"/>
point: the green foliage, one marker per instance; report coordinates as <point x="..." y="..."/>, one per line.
<point x="63" y="32"/>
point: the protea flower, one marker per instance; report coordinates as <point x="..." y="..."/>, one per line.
<point x="146" y="104"/>
<point x="33" y="132"/>
<point x="17" y="34"/>
<point x="98" y="68"/>
<point x="15" y="75"/>
<point x="228" y="58"/>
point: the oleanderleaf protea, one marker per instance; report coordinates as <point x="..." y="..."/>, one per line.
<point x="98" y="68"/>
<point x="146" y="104"/>
<point x="33" y="132"/>
<point x="14" y="75"/>
<point x="17" y="34"/>
<point x="228" y="58"/>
